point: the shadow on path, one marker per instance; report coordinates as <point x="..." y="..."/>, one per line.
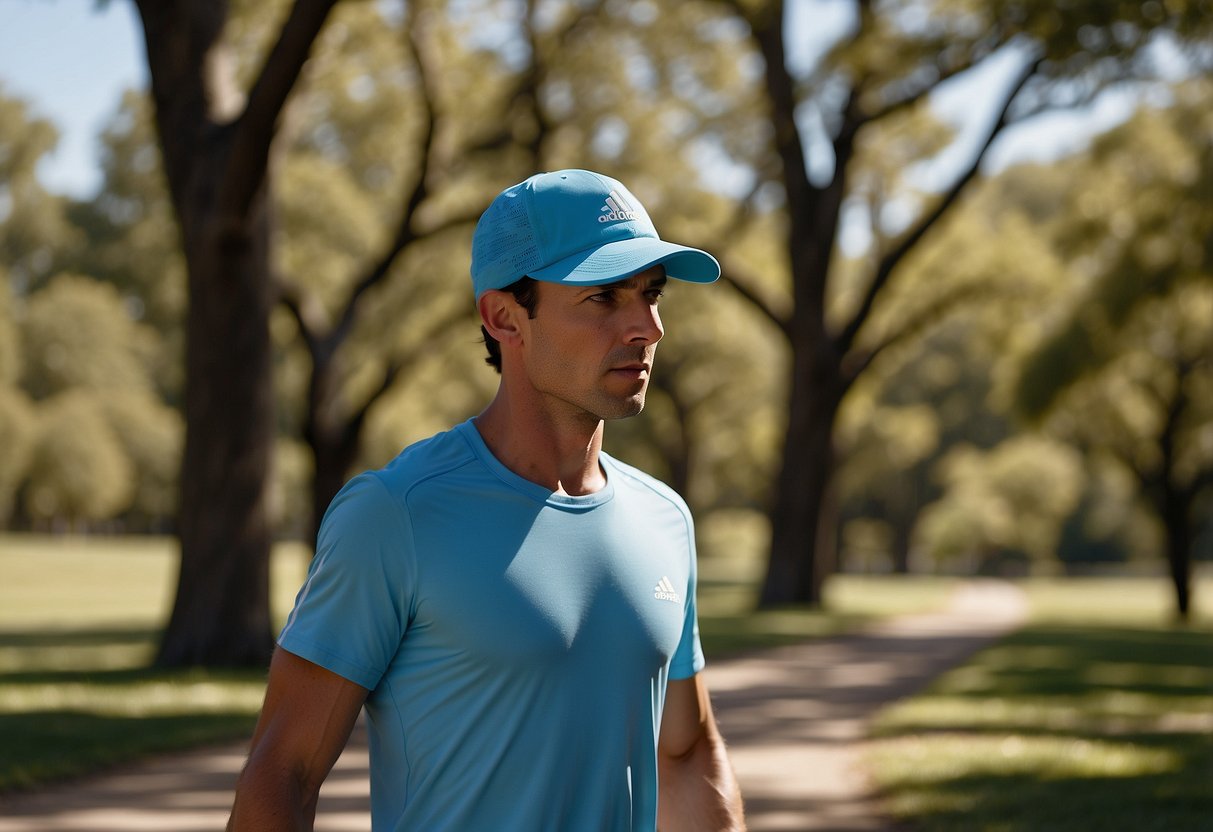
<point x="795" y="718"/>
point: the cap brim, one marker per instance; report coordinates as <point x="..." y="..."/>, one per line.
<point x="623" y="258"/>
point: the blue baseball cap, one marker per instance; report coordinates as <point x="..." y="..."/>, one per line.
<point x="575" y="227"/>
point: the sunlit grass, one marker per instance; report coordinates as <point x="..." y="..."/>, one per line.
<point x="79" y="621"/>
<point x="1097" y="715"/>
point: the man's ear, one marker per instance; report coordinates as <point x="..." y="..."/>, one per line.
<point x="501" y="316"/>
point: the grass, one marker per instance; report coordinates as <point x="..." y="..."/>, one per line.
<point x="1097" y="715"/>
<point x="79" y="624"/>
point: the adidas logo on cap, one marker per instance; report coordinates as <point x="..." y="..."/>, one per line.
<point x="617" y="209"/>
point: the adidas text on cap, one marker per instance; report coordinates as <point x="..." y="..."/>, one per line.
<point x="575" y="227"/>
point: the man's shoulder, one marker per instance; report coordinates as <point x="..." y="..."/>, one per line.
<point x="426" y="459"/>
<point x="378" y="489"/>
<point x="646" y="485"/>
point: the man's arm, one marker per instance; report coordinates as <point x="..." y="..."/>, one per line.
<point x="304" y="725"/>
<point x="697" y="790"/>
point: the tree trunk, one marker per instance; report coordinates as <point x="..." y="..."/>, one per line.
<point x="221" y="614"/>
<point x="903" y="527"/>
<point x="334" y="452"/>
<point x="802" y="515"/>
<point x="1179" y="557"/>
<point x="215" y="143"/>
<point x="903" y="508"/>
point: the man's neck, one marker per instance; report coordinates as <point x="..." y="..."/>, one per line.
<point x="555" y="450"/>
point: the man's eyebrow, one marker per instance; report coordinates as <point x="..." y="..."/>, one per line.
<point x="653" y="283"/>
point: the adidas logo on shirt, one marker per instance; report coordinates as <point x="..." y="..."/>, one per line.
<point x="664" y="591"/>
<point x="616" y="209"/>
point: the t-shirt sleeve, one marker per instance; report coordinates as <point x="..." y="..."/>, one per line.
<point x="352" y="611"/>
<point x="688" y="657"/>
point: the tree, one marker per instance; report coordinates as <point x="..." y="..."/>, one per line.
<point x="215" y="143"/>
<point x="79" y="472"/>
<point x="130" y="239"/>
<point x="77" y="332"/>
<point x="1124" y="371"/>
<point x="82" y="356"/>
<point x="888" y="64"/>
<point x="975" y="289"/>
<point x="33" y="231"/>
<point x="378" y="83"/>
<point x="1011" y="499"/>
<point x="149" y="433"/>
<point x="72" y="344"/>
<point x="17" y="425"/>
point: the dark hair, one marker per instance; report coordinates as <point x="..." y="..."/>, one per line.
<point x="525" y="295"/>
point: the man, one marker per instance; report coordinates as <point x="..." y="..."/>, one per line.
<point x="514" y="608"/>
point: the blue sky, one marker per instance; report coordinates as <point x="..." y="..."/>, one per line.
<point x="71" y="59"/>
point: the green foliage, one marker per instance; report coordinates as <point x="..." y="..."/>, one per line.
<point x="18" y="430"/>
<point x="150" y="434"/>
<point x="79" y="470"/>
<point x="131" y="240"/>
<point x="1134" y="218"/>
<point x="33" y="233"/>
<point x="680" y="114"/>
<point x="10" y="340"/>
<point x="290" y="494"/>
<point x="1128" y="407"/>
<point x="77" y="333"/>
<point x="1013" y="497"/>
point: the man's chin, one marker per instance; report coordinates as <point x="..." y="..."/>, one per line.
<point x="624" y="409"/>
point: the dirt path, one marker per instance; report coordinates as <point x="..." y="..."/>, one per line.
<point x="795" y="719"/>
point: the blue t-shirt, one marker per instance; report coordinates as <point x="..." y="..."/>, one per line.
<point x="516" y="643"/>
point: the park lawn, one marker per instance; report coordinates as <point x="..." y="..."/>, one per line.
<point x="79" y="621"/>
<point x="1098" y="715"/>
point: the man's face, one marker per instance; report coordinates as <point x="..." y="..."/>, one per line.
<point x="590" y="349"/>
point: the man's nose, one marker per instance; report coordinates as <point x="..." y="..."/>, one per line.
<point x="644" y="323"/>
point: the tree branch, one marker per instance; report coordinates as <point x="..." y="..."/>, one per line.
<point x="767" y="31"/>
<point x="412" y="199"/>
<point x="305" y="308"/>
<point x="254" y="131"/>
<point x="527" y="84"/>
<point x="855" y="362"/>
<point x="177" y="42"/>
<point x="993" y="43"/>
<point x="905" y="245"/>
<point x="745" y="288"/>
<point x="402" y="363"/>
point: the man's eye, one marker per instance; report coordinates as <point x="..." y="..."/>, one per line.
<point x="603" y="297"/>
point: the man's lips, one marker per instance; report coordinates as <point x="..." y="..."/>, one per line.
<point x="635" y="369"/>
